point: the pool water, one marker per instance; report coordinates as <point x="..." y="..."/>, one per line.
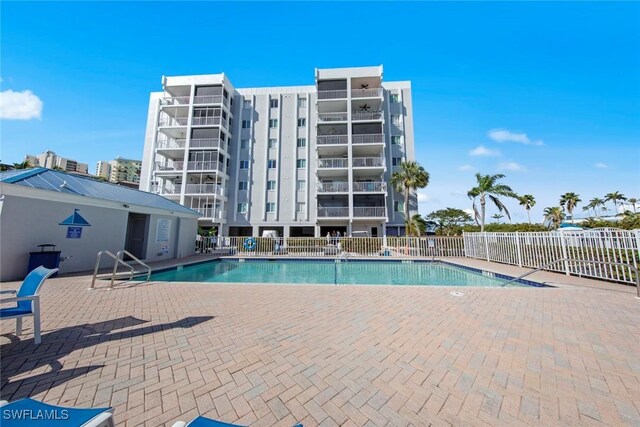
<point x="324" y="272"/>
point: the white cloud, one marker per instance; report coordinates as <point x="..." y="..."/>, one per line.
<point x="601" y="165"/>
<point x="423" y="197"/>
<point x="20" y="105"/>
<point x="481" y="150"/>
<point x="466" y="168"/>
<point x="505" y="135"/>
<point x="469" y="211"/>
<point x="511" y="166"/>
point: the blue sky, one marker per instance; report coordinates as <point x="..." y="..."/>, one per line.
<point x="546" y="93"/>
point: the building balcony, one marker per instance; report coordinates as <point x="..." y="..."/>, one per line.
<point x="208" y="143"/>
<point x="368" y="162"/>
<point x="333" y="117"/>
<point x="370" y="187"/>
<point x="167" y="190"/>
<point x="333" y="212"/>
<point x="173" y="121"/>
<point x="215" y="189"/>
<point x="208" y="99"/>
<point x="375" y="138"/>
<point x="205" y="165"/>
<point x="366" y="115"/>
<point x="169" y="166"/>
<point x="332" y="139"/>
<point x="210" y="213"/>
<point x="370" y="212"/>
<point x="367" y="93"/>
<point x="333" y="187"/>
<point x="175" y="100"/>
<point x="332" y="94"/>
<point x="171" y="144"/>
<point x="332" y="163"/>
<point x="209" y="121"/>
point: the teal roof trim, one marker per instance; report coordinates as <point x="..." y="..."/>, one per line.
<point x="20" y="174"/>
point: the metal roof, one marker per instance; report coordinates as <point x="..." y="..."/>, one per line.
<point x="62" y="182"/>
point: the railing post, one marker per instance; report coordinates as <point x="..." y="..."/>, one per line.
<point x="486" y="246"/>
<point x="563" y="247"/>
<point x="518" y="249"/>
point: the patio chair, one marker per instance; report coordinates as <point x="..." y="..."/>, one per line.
<point x="28" y="301"/>
<point x="29" y="412"/>
<point x="208" y="422"/>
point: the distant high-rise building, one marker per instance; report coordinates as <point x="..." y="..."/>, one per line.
<point x="300" y="160"/>
<point x="119" y="170"/>
<point x="51" y="160"/>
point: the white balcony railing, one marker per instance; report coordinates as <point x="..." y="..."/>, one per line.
<point x="333" y="163"/>
<point x="206" y="121"/>
<point x="376" y="212"/>
<point x="333" y="187"/>
<point x="167" y="189"/>
<point x="171" y="143"/>
<point x="333" y="212"/>
<point x="333" y="117"/>
<point x="367" y="93"/>
<point x="332" y="94"/>
<point x="207" y="143"/>
<point x="368" y="162"/>
<point x="173" y="121"/>
<point x="332" y="139"/>
<point x="208" y="99"/>
<point x="370" y="187"/>
<point x="210" y="213"/>
<point x="366" y="115"/>
<point x="175" y="100"/>
<point x="208" y="165"/>
<point x="210" y="188"/>
<point x="169" y="166"/>
<point x="374" y="138"/>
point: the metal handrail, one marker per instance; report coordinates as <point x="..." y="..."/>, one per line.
<point x="119" y="255"/>
<point x="581" y="261"/>
<point x="117" y="259"/>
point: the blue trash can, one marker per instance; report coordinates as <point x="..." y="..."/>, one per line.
<point x="47" y="256"/>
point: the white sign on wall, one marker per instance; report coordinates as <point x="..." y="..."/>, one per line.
<point x="163" y="230"/>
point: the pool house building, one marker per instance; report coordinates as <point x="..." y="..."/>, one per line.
<point x="299" y="160"/>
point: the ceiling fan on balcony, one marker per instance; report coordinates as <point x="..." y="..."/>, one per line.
<point x="364" y="107"/>
<point x="364" y="86"/>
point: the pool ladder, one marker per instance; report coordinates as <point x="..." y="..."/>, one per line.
<point x="119" y="260"/>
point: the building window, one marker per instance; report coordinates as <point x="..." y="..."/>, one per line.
<point x="242" y="207"/>
<point x="273" y="103"/>
<point x="243" y="186"/>
<point x="273" y="123"/>
<point x="301" y="207"/>
<point x="397" y="206"/>
<point x="396" y="140"/>
<point x="273" y="143"/>
<point x="244" y="164"/>
<point x="271" y="164"/>
<point x="302" y="142"/>
<point x="247" y="103"/>
<point x="301" y="184"/>
<point x="271" y="185"/>
<point x="395" y="161"/>
<point x="302" y="102"/>
<point x="302" y="122"/>
<point x="301" y="163"/>
<point x="244" y="143"/>
<point x="396" y="119"/>
<point x="246" y="124"/>
<point x="271" y="207"/>
<point x="394" y="98"/>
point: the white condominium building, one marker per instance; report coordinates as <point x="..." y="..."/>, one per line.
<point x="300" y="160"/>
<point x="119" y="170"/>
<point x="49" y="159"/>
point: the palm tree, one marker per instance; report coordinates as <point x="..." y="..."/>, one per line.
<point x="554" y="215"/>
<point x="24" y="165"/>
<point x="615" y="197"/>
<point x="488" y="187"/>
<point x="594" y="204"/>
<point x="410" y="176"/>
<point x="416" y="226"/>
<point x="528" y="201"/>
<point x="569" y="201"/>
<point x="497" y="217"/>
<point x="633" y="202"/>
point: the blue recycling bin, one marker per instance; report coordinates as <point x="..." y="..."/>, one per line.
<point x="47" y="256"/>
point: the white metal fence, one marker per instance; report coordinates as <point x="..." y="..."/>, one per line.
<point x="395" y="247"/>
<point x="539" y="248"/>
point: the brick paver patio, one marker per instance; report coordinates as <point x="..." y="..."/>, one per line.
<point x="335" y="355"/>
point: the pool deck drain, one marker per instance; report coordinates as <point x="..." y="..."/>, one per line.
<point x="335" y="355"/>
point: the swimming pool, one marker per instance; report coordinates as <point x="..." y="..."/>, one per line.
<point x="352" y="272"/>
